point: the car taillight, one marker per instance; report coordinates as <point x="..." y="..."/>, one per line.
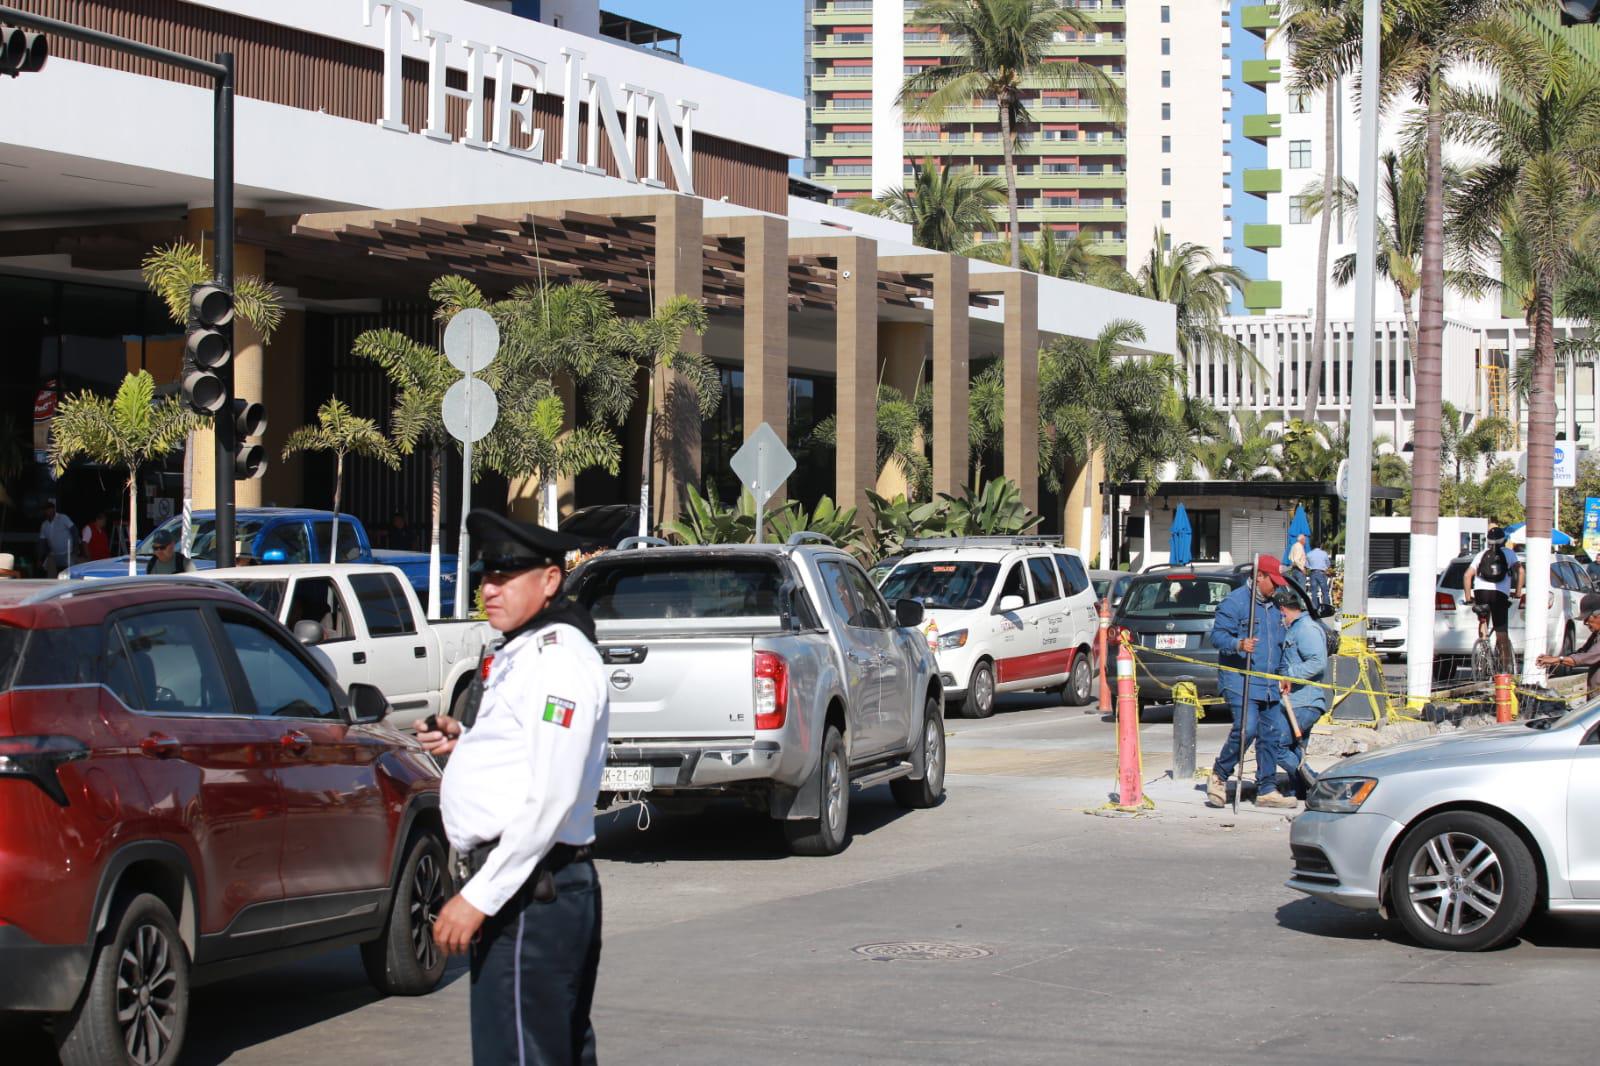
<point x="38" y="758"/>
<point x="483" y="671"/>
<point x="771" y="690"/>
<point x="1443" y="601"/>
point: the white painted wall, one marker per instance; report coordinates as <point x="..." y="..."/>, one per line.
<point x="1197" y="36"/>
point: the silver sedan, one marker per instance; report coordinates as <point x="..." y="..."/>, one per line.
<point x="1460" y="837"/>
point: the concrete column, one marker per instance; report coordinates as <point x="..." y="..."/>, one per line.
<point x="903" y="354"/>
<point x="766" y="319"/>
<point x="678" y="272"/>
<point x="856" y="325"/>
<point x="1020" y="292"/>
<point x="950" y="357"/>
<point x="249" y="368"/>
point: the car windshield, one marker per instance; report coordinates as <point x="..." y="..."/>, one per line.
<point x="1185" y="596"/>
<point x="268" y="595"/>
<point x="1389" y="586"/>
<point x="952" y="585"/>
<point x="202" y="542"/>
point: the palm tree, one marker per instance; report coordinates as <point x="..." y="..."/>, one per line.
<point x="1306" y="20"/>
<point x="943" y="206"/>
<point x="1092" y="398"/>
<point x="900" y="432"/>
<point x="343" y="433"/>
<point x="1403" y="189"/>
<point x="171" y="272"/>
<point x="654" y="345"/>
<point x="996" y="47"/>
<point x="1190" y="278"/>
<point x="986" y="422"/>
<point x="1249" y="449"/>
<point x="127" y="431"/>
<point x="1075" y="259"/>
<point x="1541" y="130"/>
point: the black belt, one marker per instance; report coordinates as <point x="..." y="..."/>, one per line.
<point x="542" y="880"/>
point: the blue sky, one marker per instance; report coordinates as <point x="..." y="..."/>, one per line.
<point x="755" y="41"/>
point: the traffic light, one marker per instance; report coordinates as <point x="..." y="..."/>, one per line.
<point x="1574" y="12"/>
<point x="249" y="457"/>
<point x="22" y="51"/>
<point x="208" y="345"/>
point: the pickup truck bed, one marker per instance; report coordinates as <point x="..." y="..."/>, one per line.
<point x="732" y="672"/>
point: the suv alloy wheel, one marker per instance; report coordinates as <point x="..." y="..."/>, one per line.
<point x="136" y="1007"/>
<point x="405" y="961"/>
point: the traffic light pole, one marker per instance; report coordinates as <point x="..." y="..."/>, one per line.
<point x="221" y="75"/>
<point x="222" y="195"/>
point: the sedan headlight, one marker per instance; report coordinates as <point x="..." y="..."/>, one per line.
<point x="956" y="638"/>
<point x="1340" y="795"/>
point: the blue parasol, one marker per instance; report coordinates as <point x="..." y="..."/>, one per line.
<point x="1298" y="527"/>
<point x="1518" y="535"/>
<point x="1178" y="541"/>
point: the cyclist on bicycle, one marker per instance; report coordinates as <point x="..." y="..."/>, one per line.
<point x="1491" y="578"/>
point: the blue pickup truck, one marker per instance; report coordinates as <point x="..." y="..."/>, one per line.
<point x="299" y="534"/>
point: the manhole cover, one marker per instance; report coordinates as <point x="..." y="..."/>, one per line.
<point x="922" y="951"/>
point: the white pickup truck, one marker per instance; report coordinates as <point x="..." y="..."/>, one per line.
<point x="364" y="621"/>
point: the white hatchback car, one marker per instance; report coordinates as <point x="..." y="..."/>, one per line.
<point x="1003" y="618"/>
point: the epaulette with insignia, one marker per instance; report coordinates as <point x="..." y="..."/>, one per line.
<point x="549" y="638"/>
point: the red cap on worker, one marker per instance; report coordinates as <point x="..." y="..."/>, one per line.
<point x="1269" y="565"/>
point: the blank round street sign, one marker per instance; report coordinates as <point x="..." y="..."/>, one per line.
<point x="485" y="409"/>
<point x="471" y="340"/>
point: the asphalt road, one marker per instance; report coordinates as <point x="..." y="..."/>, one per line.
<point x="1063" y="937"/>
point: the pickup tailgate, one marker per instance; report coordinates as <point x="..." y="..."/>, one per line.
<point x="667" y="686"/>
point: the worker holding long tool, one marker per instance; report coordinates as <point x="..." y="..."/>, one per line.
<point x="1248" y="635"/>
<point x="1305" y="657"/>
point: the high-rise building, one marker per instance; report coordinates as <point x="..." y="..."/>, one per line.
<point x="1081" y="169"/>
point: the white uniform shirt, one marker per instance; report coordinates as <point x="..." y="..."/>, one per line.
<point x="57" y="534"/>
<point x="528" y="771"/>
<point x="1480" y="582"/>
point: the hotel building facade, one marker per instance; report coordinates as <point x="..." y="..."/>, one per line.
<point x="376" y="153"/>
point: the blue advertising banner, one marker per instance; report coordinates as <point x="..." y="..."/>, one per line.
<point x="1591" y="527"/>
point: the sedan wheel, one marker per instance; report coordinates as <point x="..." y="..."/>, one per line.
<point x="980" y="692"/>
<point x="1462" y="881"/>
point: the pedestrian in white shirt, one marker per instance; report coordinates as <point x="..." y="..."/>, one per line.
<point x="56" y="536"/>
<point x="518" y="803"/>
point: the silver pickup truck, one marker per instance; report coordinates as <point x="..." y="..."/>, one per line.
<point x="772" y="673"/>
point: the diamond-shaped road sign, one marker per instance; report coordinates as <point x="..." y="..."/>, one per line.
<point x="763" y="463"/>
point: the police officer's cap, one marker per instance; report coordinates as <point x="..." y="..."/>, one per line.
<point x="504" y="546"/>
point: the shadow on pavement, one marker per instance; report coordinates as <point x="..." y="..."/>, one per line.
<point x="1581" y="932"/>
<point x="721" y="831"/>
<point x="1320" y="918"/>
<point x="233" y="1015"/>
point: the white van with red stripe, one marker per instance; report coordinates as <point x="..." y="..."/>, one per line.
<point x="1002" y="614"/>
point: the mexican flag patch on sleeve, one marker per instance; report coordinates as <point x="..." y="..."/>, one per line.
<point x="559" y="711"/>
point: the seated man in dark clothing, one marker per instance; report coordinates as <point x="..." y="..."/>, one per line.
<point x="1587" y="656"/>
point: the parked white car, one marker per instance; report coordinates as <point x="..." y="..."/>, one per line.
<point x="1456" y="626"/>
<point x="364" y="621"/>
<point x="1003" y="617"/>
<point x="1387" y="611"/>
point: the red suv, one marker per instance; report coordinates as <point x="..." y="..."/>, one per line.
<point x="186" y="795"/>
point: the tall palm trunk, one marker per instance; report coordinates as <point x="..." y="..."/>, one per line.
<point x="1428" y="364"/>
<point x="1541" y="483"/>
<point x="133" y="522"/>
<point x="436" y="492"/>
<point x="1410" y="321"/>
<point x="1011" y="184"/>
<point x="649" y="438"/>
<point x="1086" y="516"/>
<point x="1319" y="326"/>
<point x="338" y="484"/>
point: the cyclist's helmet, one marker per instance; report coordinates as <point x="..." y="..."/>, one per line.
<point x="1497" y="535"/>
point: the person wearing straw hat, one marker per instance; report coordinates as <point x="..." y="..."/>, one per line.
<point x="1587" y="656"/>
<point x="8" y="566"/>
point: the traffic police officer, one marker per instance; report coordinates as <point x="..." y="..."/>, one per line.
<point x="518" y="804"/>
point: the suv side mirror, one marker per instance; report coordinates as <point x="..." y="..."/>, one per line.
<point x="1008" y="604"/>
<point x="367" y="704"/>
<point x="908" y="613"/>
<point x="307" y="631"/>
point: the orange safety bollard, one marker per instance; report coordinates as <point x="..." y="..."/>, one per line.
<point x="1102" y="648"/>
<point x="1502" y="697"/>
<point x="1130" y="790"/>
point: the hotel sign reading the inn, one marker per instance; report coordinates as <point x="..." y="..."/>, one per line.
<point x="513" y="130"/>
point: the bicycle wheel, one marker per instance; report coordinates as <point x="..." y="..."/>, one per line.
<point x="1484" y="660"/>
